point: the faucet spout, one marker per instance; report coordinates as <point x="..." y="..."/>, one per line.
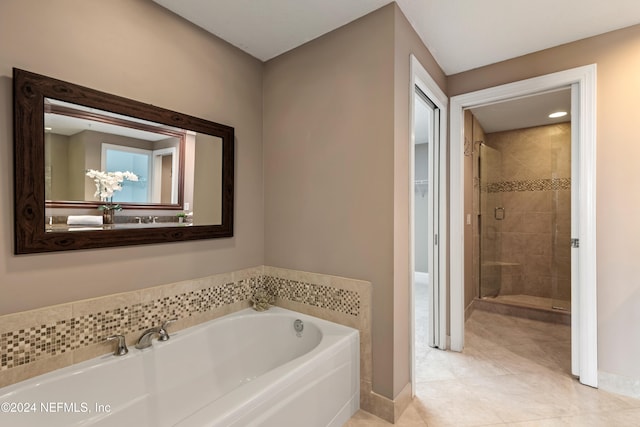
<point x="145" y="339"/>
<point x="161" y="331"/>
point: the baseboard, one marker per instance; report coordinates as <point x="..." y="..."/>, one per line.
<point x="402" y="402"/>
<point x="383" y="407"/>
<point x="468" y="310"/>
<point x="619" y="384"/>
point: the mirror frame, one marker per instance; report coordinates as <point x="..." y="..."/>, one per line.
<point x="29" y="92"/>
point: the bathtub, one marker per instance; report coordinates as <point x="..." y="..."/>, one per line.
<point x="244" y="369"/>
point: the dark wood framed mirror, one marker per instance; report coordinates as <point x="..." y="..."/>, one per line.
<point x="80" y="154"/>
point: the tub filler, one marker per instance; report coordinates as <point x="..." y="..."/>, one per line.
<point x="244" y="369"/>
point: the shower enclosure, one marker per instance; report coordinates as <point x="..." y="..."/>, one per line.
<point x="523" y="198"/>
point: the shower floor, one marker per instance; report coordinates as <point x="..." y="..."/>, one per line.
<point x="527" y="306"/>
<point x="533" y="302"/>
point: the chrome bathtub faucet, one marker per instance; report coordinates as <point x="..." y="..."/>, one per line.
<point x="145" y="339"/>
<point x="121" y="349"/>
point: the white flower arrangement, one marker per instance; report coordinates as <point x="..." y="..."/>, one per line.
<point x="108" y="183"/>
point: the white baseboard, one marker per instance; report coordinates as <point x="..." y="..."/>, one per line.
<point x="619" y="384"/>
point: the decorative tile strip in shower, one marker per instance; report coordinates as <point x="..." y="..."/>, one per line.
<point x="527" y="185"/>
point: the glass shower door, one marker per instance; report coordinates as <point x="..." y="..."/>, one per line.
<point x="561" y="224"/>
<point x="491" y="216"/>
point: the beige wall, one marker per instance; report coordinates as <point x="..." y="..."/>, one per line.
<point x="141" y="51"/>
<point x="207" y="188"/>
<point x="336" y="135"/>
<point x="406" y="43"/>
<point x="618" y="201"/>
<point x="328" y="159"/>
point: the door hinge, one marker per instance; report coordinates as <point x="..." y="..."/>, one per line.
<point x="435" y="239"/>
<point x="575" y="243"/>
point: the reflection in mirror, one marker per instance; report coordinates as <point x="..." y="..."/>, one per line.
<point x="173" y="172"/>
<point x="78" y="139"/>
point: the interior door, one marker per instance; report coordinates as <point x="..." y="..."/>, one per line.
<point x="426" y="119"/>
<point x="575" y="229"/>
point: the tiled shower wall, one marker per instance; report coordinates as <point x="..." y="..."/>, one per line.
<point x="42" y="340"/>
<point x="533" y="185"/>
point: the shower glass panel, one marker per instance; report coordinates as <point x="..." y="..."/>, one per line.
<point x="561" y="223"/>
<point x="490" y="171"/>
<point x="525" y="216"/>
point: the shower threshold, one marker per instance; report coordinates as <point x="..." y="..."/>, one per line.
<point x="527" y="306"/>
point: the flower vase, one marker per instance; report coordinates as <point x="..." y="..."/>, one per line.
<point x="107" y="216"/>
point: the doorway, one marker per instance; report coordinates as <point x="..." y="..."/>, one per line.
<point x="583" y="257"/>
<point x="520" y="187"/>
<point x="427" y="236"/>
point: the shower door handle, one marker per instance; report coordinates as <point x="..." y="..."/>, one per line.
<point x="498" y="213"/>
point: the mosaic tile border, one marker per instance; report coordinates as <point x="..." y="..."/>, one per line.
<point x="36" y="342"/>
<point x="340" y="300"/>
<point x="24" y="346"/>
<point x="528" y="185"/>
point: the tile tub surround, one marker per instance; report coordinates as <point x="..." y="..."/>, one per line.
<point x="319" y="295"/>
<point x="42" y="340"/>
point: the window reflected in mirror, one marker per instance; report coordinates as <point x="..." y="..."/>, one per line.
<point x="178" y="172"/>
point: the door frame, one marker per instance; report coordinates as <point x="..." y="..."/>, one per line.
<point x="584" y="349"/>
<point x="421" y="78"/>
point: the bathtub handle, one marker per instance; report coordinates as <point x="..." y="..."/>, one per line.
<point x="121" y="349"/>
<point x="164" y="335"/>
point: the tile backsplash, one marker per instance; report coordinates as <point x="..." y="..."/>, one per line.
<point x="56" y="336"/>
<point x="69" y="333"/>
<point x="335" y="299"/>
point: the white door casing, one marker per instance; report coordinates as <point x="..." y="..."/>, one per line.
<point x="584" y="313"/>
<point x="438" y="208"/>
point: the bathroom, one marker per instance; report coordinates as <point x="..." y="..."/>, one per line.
<point x="288" y="224"/>
<point x="518" y="190"/>
<point x="297" y="159"/>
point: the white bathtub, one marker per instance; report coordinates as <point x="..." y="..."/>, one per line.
<point x="245" y="369"/>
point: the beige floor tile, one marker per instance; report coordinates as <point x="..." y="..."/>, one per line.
<point x="513" y="372"/>
<point x="365" y="419"/>
<point x="410" y="418"/>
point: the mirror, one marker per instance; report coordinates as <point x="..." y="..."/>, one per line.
<point x="78" y="139"/>
<point x="97" y="170"/>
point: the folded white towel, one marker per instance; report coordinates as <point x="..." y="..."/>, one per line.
<point x="84" y="220"/>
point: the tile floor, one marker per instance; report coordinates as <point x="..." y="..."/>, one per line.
<point x="513" y="372"/>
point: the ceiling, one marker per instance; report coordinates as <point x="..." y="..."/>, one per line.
<point x="67" y="125"/>
<point x="461" y="34"/>
<point x="524" y="112"/>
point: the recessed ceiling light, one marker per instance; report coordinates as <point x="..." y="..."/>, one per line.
<point x="557" y="114"/>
